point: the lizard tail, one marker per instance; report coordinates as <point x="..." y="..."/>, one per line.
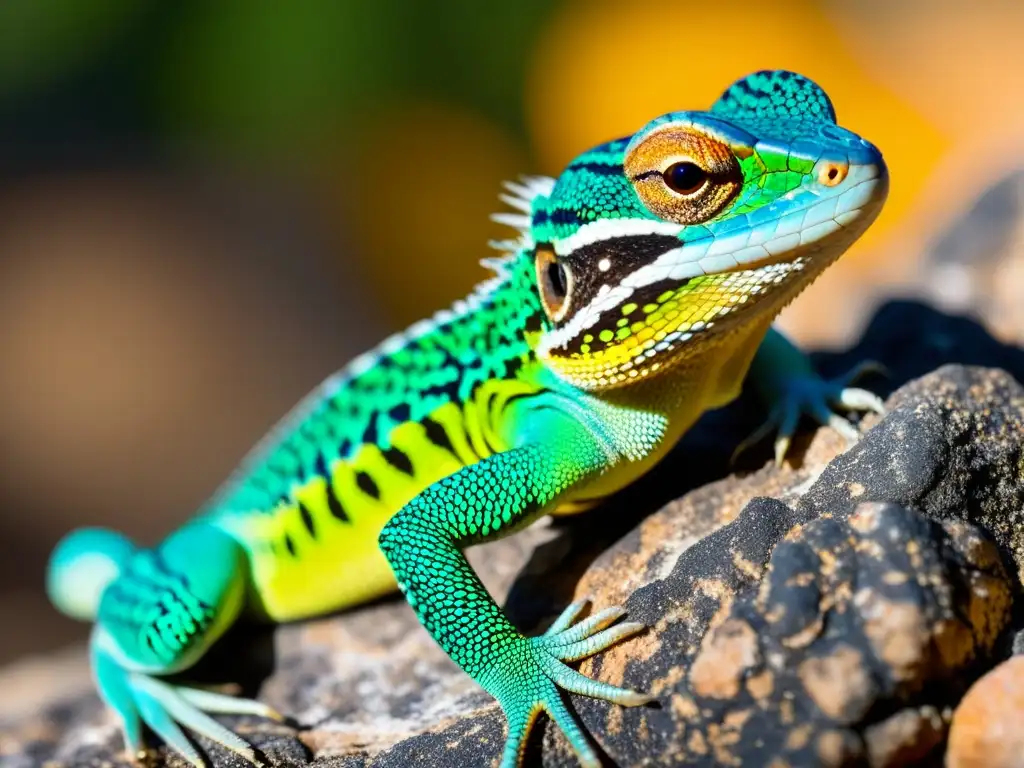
<point x="80" y="568"/>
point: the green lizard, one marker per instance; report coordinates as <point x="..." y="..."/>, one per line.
<point x="638" y="294"/>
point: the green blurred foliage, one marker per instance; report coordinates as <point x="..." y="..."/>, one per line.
<point x="262" y="74"/>
<point x="244" y="76"/>
<point x="41" y="41"/>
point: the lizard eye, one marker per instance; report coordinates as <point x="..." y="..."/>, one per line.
<point x="684" y="178"/>
<point x="554" y="281"/>
<point x="682" y="174"/>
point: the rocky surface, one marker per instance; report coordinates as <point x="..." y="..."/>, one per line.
<point x="831" y="612"/>
<point x="977" y="265"/>
<point x="869" y="620"/>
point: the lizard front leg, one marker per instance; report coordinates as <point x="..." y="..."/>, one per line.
<point x="424" y="542"/>
<point x="787" y="382"/>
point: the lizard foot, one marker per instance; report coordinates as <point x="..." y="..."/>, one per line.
<point x="816" y="397"/>
<point x="142" y="699"/>
<point x="528" y="681"/>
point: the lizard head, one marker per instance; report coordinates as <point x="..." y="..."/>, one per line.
<point x="648" y="248"/>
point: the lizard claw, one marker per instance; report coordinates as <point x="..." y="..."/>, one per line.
<point x="816" y="397"/>
<point x="142" y="699"/>
<point x="532" y="681"/>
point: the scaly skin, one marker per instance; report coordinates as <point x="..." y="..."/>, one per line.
<point x="639" y="293"/>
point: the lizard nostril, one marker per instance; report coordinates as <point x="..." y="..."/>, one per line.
<point x="832" y="173"/>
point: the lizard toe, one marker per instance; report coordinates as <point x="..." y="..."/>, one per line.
<point x="529" y="680"/>
<point x="819" y="398"/>
<point x="166" y="707"/>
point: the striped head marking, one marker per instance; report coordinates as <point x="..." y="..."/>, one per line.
<point x="645" y="244"/>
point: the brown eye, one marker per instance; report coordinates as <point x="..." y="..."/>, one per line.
<point x="554" y="281"/>
<point x="684" y="178"/>
<point x="683" y="175"/>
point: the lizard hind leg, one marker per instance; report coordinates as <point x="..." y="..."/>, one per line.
<point x="164" y="610"/>
<point x="81" y="567"/>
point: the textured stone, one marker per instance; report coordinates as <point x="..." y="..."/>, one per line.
<point x="907" y="737"/>
<point x="854" y="613"/>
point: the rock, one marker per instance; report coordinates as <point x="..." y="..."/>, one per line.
<point x="986" y="730"/>
<point x="952" y="446"/>
<point x="977" y="265"/>
<point x="830" y="612"/>
<point x="855" y="612"/>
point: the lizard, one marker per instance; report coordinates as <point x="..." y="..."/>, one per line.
<point x="638" y="293"/>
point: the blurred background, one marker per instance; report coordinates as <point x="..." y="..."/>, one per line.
<point x="205" y="208"/>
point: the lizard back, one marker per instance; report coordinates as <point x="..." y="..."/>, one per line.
<point x="308" y="503"/>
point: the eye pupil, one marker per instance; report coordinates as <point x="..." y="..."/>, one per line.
<point x="684" y="178"/>
<point x="557" y="280"/>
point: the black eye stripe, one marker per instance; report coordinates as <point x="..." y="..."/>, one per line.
<point x="629" y="249"/>
<point x="608" y="321"/>
<point x="625" y="255"/>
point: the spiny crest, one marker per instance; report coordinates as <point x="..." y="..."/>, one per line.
<point x="520" y="196"/>
<point x="774" y="94"/>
